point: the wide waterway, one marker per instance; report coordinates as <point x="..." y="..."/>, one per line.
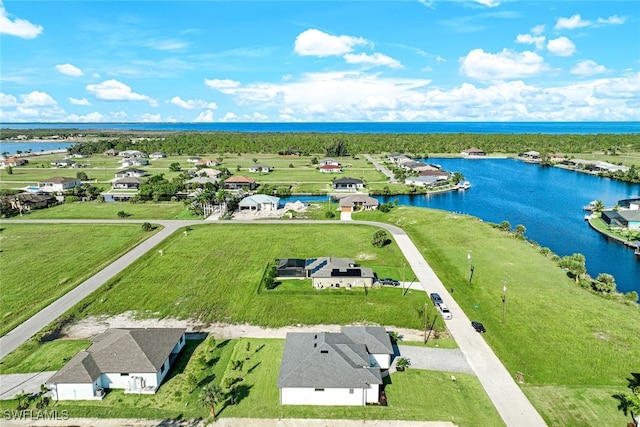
<point x="548" y="201"/>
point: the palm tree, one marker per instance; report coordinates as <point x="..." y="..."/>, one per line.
<point x="210" y="396"/>
<point x="598" y="206"/>
<point x="630" y="404"/>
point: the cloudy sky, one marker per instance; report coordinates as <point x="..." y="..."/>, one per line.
<point x="325" y="61"/>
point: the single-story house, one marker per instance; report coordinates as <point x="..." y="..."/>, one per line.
<point x="623" y="218"/>
<point x="238" y="182"/>
<point x="133" y="153"/>
<point x="347" y="184"/>
<point x="133" y="161"/>
<point x="330" y="169"/>
<point x="259" y="168"/>
<point x="207" y="162"/>
<point x="327" y="162"/>
<point x="211" y="173"/>
<point x="58" y="184"/>
<point x="438" y="173"/>
<point x="64" y="163"/>
<point x="201" y="181"/>
<point x="291" y="267"/>
<point x="110" y="152"/>
<point x="12" y="161"/>
<point x="358" y="202"/>
<point x="136" y="360"/>
<point x="129" y="183"/>
<point x="423" y="181"/>
<point x="194" y="159"/>
<point x="330" y="272"/>
<point x="29" y="201"/>
<point x="157" y="155"/>
<point x="473" y="152"/>
<point x="131" y="173"/>
<point x="398" y="158"/>
<point x="410" y="164"/>
<point x="333" y="368"/>
<point x="259" y="202"/>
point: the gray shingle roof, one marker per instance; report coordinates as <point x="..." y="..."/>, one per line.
<point x="325" y="360"/>
<point x="139" y="350"/>
<point x="375" y="338"/>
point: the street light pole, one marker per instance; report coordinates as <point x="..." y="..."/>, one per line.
<point x="470" y="266"/>
<point x="504" y="300"/>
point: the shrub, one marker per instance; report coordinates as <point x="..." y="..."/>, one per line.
<point x="380" y="239"/>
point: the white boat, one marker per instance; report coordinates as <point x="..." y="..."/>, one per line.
<point x="590" y="206"/>
<point x="465" y="185"/>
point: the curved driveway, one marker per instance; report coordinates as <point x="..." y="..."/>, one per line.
<point x="509" y="400"/>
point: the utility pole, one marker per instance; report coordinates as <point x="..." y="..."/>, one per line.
<point x="470" y="266"/>
<point x="504" y="300"/>
<point x="426" y="322"/>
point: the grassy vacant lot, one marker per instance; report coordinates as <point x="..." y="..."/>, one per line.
<point x="37" y="357"/>
<point x="412" y="395"/>
<point x="96" y="210"/>
<point x="213" y="274"/>
<point x="556" y="334"/>
<point x="41" y="262"/>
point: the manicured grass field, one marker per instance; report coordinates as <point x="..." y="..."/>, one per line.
<point x="555" y="334"/>
<point x="37" y="357"/>
<point x="41" y="262"/>
<point x="96" y="210"/>
<point x="412" y="395"/>
<point x="213" y="274"/>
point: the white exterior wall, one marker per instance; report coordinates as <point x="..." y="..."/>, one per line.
<point x="355" y="282"/>
<point x="330" y="396"/>
<point x="382" y="360"/>
<point x="74" y="391"/>
<point x="115" y="380"/>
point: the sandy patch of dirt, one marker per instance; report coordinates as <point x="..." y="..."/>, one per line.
<point x="91" y="326"/>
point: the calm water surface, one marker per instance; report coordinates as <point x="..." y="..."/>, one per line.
<point x="548" y="202"/>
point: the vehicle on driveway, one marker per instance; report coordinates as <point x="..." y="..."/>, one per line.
<point x="479" y="327"/>
<point x="435" y="297"/>
<point x="444" y="311"/>
<point x="389" y="282"/>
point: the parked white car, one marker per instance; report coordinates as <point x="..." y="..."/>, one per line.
<point x="444" y="311"/>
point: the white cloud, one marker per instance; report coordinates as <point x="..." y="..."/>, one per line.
<point x="506" y="64"/>
<point x="76" y="101"/>
<point x="17" y="27"/>
<point x="94" y="117"/>
<point x="572" y="23"/>
<point x="204" y="117"/>
<point x="588" y="68"/>
<point x="33" y="106"/>
<point x="441" y="59"/>
<point x="37" y="99"/>
<point x="537" y="30"/>
<point x="256" y="117"/>
<point x="192" y="104"/>
<point x="113" y="90"/>
<point x="150" y="118"/>
<point x="7" y="101"/>
<point x="488" y="3"/>
<point x="314" y="42"/>
<point x="168" y="45"/>
<point x="612" y="20"/>
<point x="69" y="70"/>
<point x="376" y="59"/>
<point x="221" y="83"/>
<point x="229" y="117"/>
<point x="531" y="39"/>
<point x="561" y="46"/>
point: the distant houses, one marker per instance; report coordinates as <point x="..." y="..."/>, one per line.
<point x="12" y="162"/>
<point x="58" y="184"/>
<point x="473" y="152"/>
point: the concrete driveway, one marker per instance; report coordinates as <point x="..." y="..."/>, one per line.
<point x="435" y="359"/>
<point x="13" y="384"/>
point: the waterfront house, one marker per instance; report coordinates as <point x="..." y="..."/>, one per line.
<point x="259" y="202"/>
<point x="58" y="184"/>
<point x="423" y="181"/>
<point x="473" y="152"/>
<point x="357" y="202"/>
<point x="133" y="359"/>
<point x="347" y="184"/>
<point x="628" y="219"/>
<point x="238" y="182"/>
<point x="334" y="368"/>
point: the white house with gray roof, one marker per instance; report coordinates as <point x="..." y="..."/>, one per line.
<point x="136" y="360"/>
<point x="331" y="272"/>
<point x="327" y="368"/>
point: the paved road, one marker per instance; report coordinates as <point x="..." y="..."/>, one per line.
<point x="381" y="168"/>
<point x="511" y="403"/>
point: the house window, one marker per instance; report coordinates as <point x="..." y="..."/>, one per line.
<point x="124" y="374"/>
<point x="162" y="368"/>
<point x="318" y="389"/>
<point x="350" y="391"/>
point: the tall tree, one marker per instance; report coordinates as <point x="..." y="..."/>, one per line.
<point x="210" y="396"/>
<point x="629" y="404"/>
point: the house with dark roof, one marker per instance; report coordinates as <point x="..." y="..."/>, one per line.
<point x="622" y="218"/>
<point x="131" y="173"/>
<point x="331" y="272"/>
<point x="328" y="368"/>
<point x="136" y="360"/>
<point x="329" y="162"/>
<point x="157" y="155"/>
<point x="129" y="183"/>
<point x="28" y="201"/>
<point x="347" y="184"/>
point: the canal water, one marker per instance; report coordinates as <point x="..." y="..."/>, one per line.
<point x="548" y="201"/>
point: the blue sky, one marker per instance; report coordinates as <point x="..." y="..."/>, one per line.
<point x="328" y="61"/>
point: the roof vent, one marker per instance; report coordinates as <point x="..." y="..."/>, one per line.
<point x="324" y="351"/>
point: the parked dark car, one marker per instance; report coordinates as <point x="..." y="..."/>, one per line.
<point x="389" y="282"/>
<point x="479" y="327"/>
<point x="435" y="297"/>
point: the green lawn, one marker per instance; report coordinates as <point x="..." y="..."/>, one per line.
<point x="213" y="275"/>
<point x="97" y="210"/>
<point x="41" y="262"/>
<point x="36" y="357"/>
<point x="412" y="395"/>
